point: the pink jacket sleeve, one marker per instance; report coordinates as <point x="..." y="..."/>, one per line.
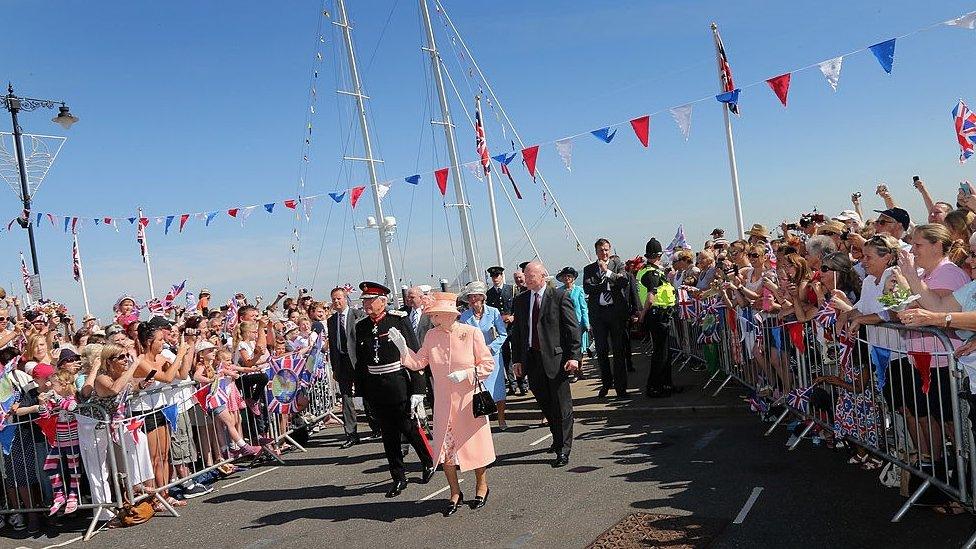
<point x="484" y="362"/>
<point x="419" y="360"/>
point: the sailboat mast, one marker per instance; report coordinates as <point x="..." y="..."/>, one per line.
<point x="491" y="195"/>
<point x="473" y="269"/>
<point x="385" y="229"/>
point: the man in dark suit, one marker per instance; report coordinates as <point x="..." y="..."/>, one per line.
<point x="420" y="324"/>
<point x="608" y="297"/>
<point x="546" y="346"/>
<point x="342" y="355"/>
<point x="500" y="296"/>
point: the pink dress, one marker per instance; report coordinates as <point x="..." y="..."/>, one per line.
<point x="458" y="435"/>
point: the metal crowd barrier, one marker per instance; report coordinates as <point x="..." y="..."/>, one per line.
<point x="158" y="441"/>
<point x="892" y="394"/>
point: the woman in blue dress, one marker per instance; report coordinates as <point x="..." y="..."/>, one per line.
<point x="489" y="320"/>
<point x="568" y="277"/>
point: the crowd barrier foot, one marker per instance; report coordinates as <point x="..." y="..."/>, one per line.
<point x="293" y="443"/>
<point x="722" y="386"/>
<point x="799" y="437"/>
<point x="911" y="500"/>
<point x="710" y="380"/>
<point x="169" y="508"/>
<point x="90" y="531"/>
<point x="971" y="542"/>
<point x="776" y="423"/>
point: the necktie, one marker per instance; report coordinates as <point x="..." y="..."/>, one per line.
<point x="536" y="310"/>
<point x="415" y="319"/>
<point x="341" y="336"/>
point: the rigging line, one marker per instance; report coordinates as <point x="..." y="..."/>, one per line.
<point x="318" y="260"/>
<point x="342" y="244"/>
<point x="359" y="251"/>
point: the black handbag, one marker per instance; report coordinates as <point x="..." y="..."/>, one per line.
<point x="482" y="404"/>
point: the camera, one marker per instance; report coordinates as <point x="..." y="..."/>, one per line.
<point x="193" y="323"/>
<point x="845" y="234"/>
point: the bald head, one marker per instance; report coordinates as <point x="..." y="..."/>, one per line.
<point x="535" y="275"/>
<point x="415" y="297"/>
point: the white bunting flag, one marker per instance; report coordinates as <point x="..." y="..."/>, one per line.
<point x="381" y="190"/>
<point x="246" y="213"/>
<point x="565" y="149"/>
<point x="831" y="70"/>
<point x="967" y="21"/>
<point x="476" y="169"/>
<point x="682" y="117"/>
<point x="307" y="206"/>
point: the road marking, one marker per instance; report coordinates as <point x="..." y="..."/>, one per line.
<point x="63" y="543"/>
<point x="255" y="475"/>
<point x="706" y="439"/>
<point x="540" y="440"/>
<point x="441" y="491"/>
<point x="749" y="503"/>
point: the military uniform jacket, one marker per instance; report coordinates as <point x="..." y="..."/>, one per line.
<point x="501" y="298"/>
<point x="373" y="347"/>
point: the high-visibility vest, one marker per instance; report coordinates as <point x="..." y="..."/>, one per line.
<point x="664" y="296"/>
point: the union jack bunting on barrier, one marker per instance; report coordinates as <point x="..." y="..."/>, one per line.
<point x="212" y="396"/>
<point x="826" y="316"/>
<point x="687" y="305"/>
<point x="284" y="378"/>
<point x="799" y="398"/>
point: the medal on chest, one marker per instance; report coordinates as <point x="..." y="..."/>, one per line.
<point x="376" y="343"/>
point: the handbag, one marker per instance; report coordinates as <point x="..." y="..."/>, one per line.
<point x="482" y="404"/>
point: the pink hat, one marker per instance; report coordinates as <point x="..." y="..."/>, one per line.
<point x="42" y="370"/>
<point x="443" y="302"/>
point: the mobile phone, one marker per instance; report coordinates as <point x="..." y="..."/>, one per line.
<point x="966" y="188"/>
<point x="150" y="375"/>
<point x="915" y="178"/>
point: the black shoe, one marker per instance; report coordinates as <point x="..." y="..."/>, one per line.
<point x="428" y="474"/>
<point x="349" y="443"/>
<point x="562" y="459"/>
<point x="521" y="389"/>
<point x="404" y="450"/>
<point x="452" y="506"/>
<point x="603" y="392"/>
<point x="479" y="501"/>
<point x="510" y="391"/>
<point x="397" y="488"/>
<point x="623" y="394"/>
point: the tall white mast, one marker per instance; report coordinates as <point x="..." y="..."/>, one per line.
<point x="385" y="229"/>
<point x="737" y="203"/>
<point x="474" y="270"/>
<point x="491" y="194"/>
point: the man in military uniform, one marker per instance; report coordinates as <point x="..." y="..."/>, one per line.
<point x="500" y="296"/>
<point x="394" y="393"/>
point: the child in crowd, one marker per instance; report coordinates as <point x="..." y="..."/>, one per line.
<point x="67" y="449"/>
<point x="224" y="401"/>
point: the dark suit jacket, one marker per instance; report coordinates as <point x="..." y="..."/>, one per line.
<point x="338" y="368"/>
<point x="423" y="326"/>
<point x="622" y="288"/>
<point x="501" y="298"/>
<point x="559" y="330"/>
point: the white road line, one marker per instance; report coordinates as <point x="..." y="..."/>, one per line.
<point x="540" y="440"/>
<point x="255" y="475"/>
<point x="749" y="503"/>
<point x="63" y="543"/>
<point x="706" y="439"/>
<point x="441" y="491"/>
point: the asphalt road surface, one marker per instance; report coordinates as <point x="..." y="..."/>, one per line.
<point x="718" y="479"/>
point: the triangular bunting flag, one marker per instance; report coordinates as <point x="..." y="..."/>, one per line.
<point x="132" y="220"/>
<point x="642" y="128"/>
<point x="564" y="147"/>
<point x="169" y="221"/>
<point x="381" y="190"/>
<point x="354" y="195"/>
<point x="290" y="204"/>
<point x="682" y="117"/>
<point x="967" y="21"/>
<point x="604" y="134"/>
<point x="246" y="214"/>
<point x="831" y="71"/>
<point x="529" y="156"/>
<point x="441" y="176"/>
<point x="144" y="221"/>
<point x="233" y="212"/>
<point x="338" y="196"/>
<point x="269" y="207"/>
<point x="923" y="363"/>
<point x="183" y="219"/>
<point x="780" y="86"/>
<point x="795" y="329"/>
<point x="730" y="97"/>
<point x="210" y="217"/>
<point x="38" y="222"/>
<point x="880" y="357"/>
<point x="413" y="179"/>
<point x="885" y="52"/>
<point x="67" y="220"/>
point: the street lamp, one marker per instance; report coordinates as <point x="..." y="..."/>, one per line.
<point x="65" y="119"/>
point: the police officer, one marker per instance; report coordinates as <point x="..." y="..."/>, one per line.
<point x="394" y="393"/>
<point x="656" y="317"/>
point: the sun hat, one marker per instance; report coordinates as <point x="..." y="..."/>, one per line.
<point x="443" y="302"/>
<point x="476" y="287"/>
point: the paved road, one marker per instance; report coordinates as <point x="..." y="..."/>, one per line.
<point x="700" y="469"/>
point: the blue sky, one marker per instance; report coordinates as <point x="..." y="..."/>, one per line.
<point x="188" y="108"/>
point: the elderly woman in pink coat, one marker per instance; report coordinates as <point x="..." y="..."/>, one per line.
<point x="458" y="357"/>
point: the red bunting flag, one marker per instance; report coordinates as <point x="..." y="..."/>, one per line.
<point x="233" y="212"/>
<point x="642" y="127"/>
<point x="291" y="204"/>
<point x="183" y="219"/>
<point x="529" y="155"/>
<point x="441" y="176"/>
<point x="795" y="330"/>
<point x="107" y="220"/>
<point x="354" y="195"/>
<point x="144" y="221"/>
<point x="923" y="363"/>
<point x="780" y="86"/>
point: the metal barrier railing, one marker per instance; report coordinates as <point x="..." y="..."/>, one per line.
<point x="150" y="445"/>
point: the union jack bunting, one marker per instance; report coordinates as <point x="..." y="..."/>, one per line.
<point x="799" y="398"/>
<point x="758" y="404"/>
<point x="480" y="142"/>
<point x="965" y="121"/>
<point x="213" y="395"/>
<point x="687" y="305"/>
<point x="130" y="425"/>
<point x="284" y="379"/>
<point x="25" y="274"/>
<point x="826" y="316"/>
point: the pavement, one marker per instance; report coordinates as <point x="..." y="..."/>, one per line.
<point x="713" y="476"/>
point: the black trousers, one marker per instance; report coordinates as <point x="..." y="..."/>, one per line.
<point x="389" y="396"/>
<point x="657" y="322"/>
<point x="346" y="394"/>
<point x="609" y="330"/>
<point x="555" y="400"/>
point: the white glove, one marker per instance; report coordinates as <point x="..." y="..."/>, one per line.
<point x="458" y="376"/>
<point x="415" y="401"/>
<point x="397" y="339"/>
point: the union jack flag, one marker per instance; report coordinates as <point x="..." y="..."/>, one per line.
<point x="826" y="316"/>
<point x="141" y="238"/>
<point x="965" y="121"/>
<point x="75" y="260"/>
<point x="317" y="358"/>
<point x="758" y="404"/>
<point x="172" y="294"/>
<point x="155" y="306"/>
<point x="799" y="398"/>
<point x="230" y="319"/>
<point x="726" y="72"/>
<point x="285" y="376"/>
<point x="687" y="305"/>
<point x="480" y="142"/>
<point x="133" y="424"/>
<point x="25" y="274"/>
<point x="212" y="396"/>
<point x="846" y="349"/>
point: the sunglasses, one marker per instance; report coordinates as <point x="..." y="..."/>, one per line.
<point x="754" y="255"/>
<point x="4" y="318"/>
<point x="116" y="357"/>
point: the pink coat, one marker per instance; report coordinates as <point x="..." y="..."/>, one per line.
<point x="463" y="348"/>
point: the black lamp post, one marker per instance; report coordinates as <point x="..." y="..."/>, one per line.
<point x="65" y="119"/>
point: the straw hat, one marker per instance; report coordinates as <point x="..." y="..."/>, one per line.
<point x="476" y="287"/>
<point x="758" y="230"/>
<point x="443" y="302"/>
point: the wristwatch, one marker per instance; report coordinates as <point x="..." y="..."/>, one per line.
<point x="948" y="319"/>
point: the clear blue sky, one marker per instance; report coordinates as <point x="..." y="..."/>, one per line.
<point x="198" y="107"/>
